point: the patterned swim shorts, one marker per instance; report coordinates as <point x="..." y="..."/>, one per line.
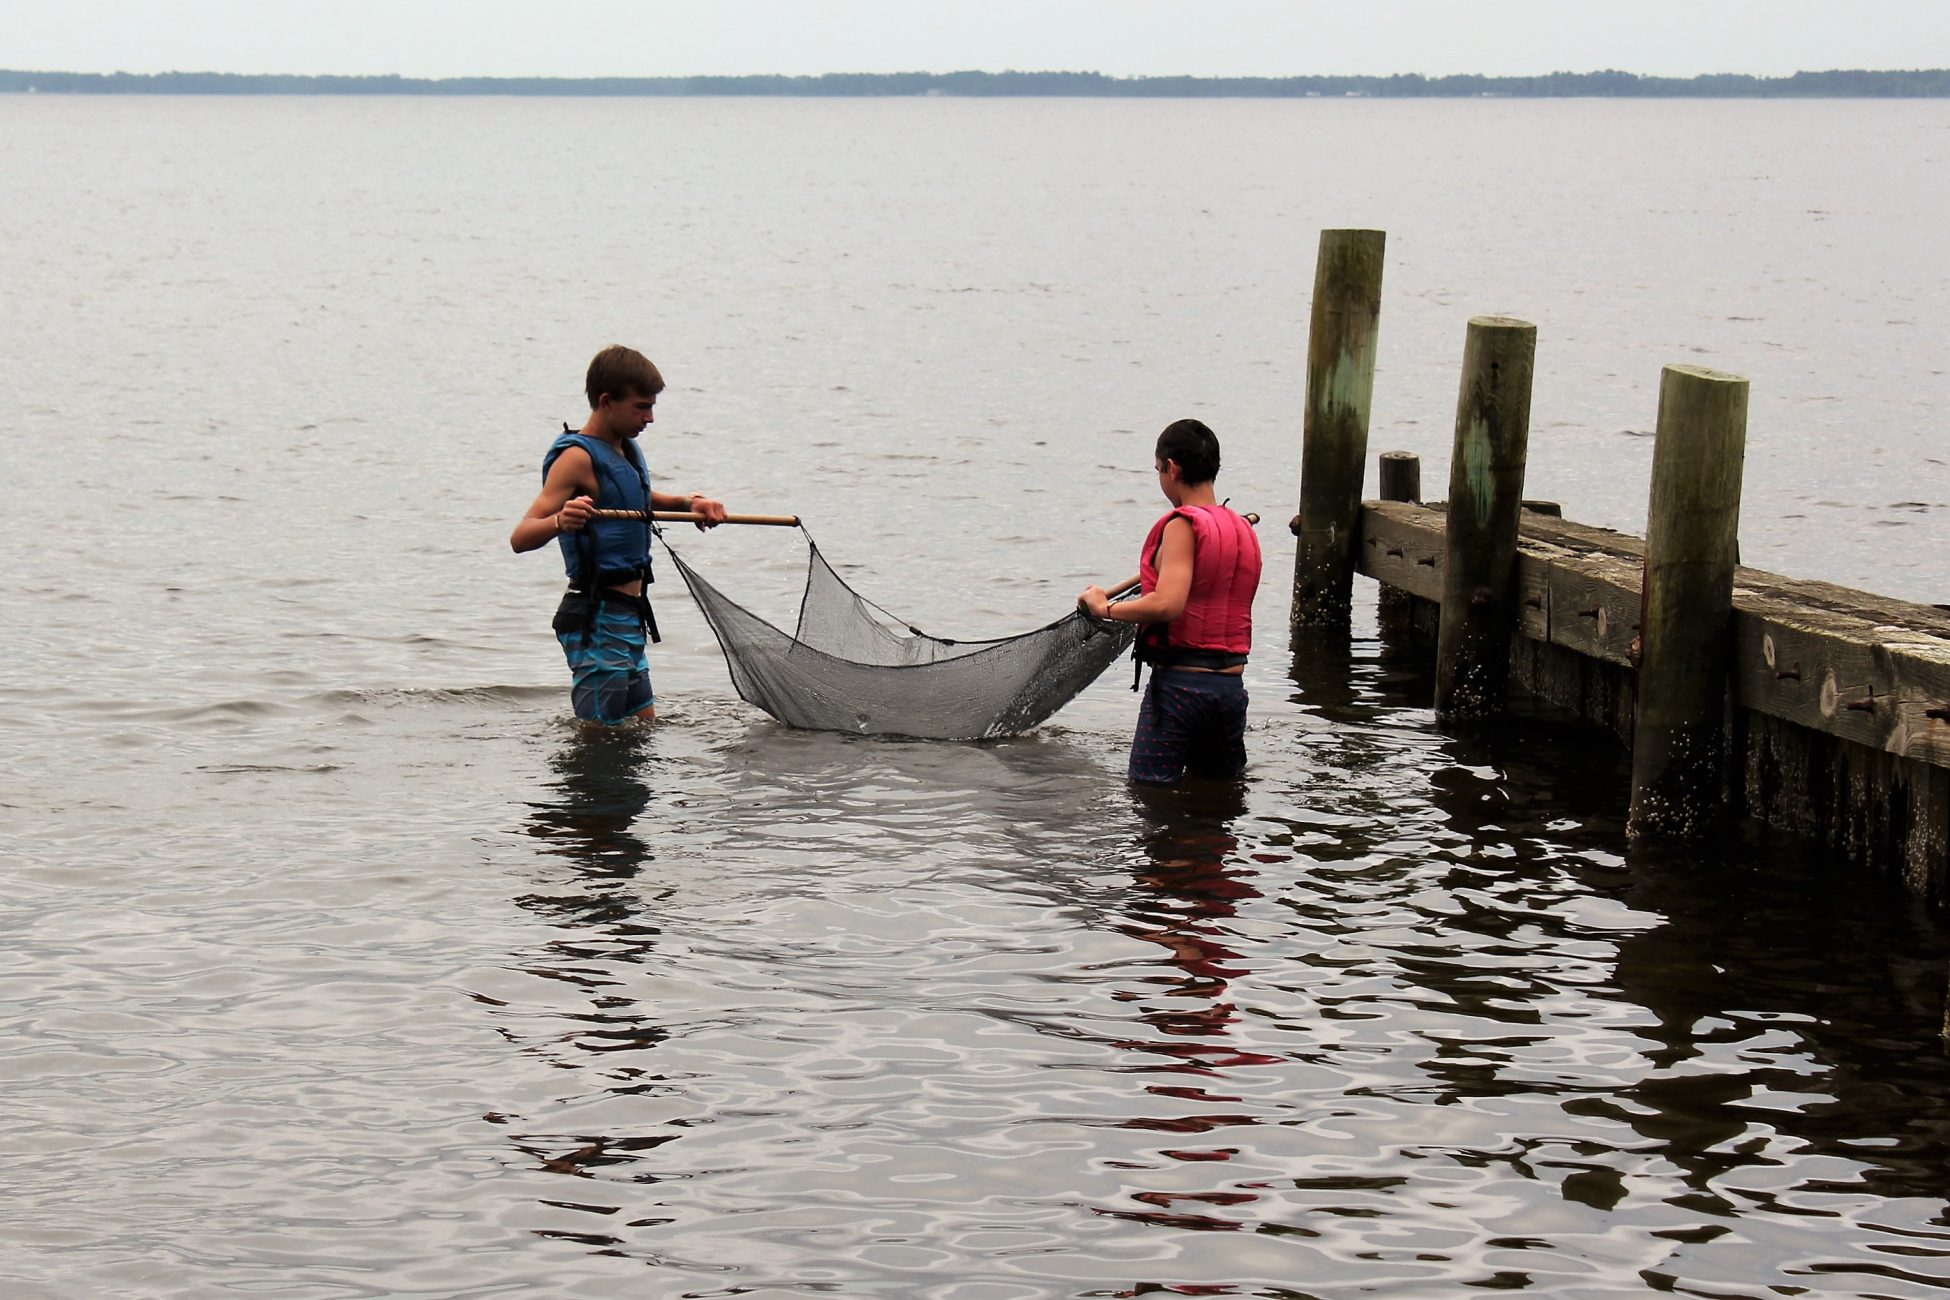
<point x="1189" y="722"/>
<point x="609" y="663"/>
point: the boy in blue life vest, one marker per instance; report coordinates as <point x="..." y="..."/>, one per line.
<point x="603" y="617"/>
<point x="1198" y="572"/>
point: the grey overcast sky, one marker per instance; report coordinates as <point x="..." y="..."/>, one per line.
<point x="584" y="38"/>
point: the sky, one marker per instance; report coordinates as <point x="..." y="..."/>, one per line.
<point x="591" y="38"/>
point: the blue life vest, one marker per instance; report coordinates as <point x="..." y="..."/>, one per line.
<point x="617" y="549"/>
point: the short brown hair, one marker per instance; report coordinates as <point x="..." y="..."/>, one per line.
<point x="621" y="372"/>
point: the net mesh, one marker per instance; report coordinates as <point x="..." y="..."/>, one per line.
<point x="851" y="666"/>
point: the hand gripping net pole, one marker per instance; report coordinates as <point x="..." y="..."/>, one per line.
<point x="852" y="666"/>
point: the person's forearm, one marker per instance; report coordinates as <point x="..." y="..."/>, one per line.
<point x="532" y="533"/>
<point x="1143" y="609"/>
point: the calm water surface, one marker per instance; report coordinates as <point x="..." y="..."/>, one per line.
<point x="337" y="963"/>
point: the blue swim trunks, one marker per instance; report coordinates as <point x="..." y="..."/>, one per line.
<point x="1192" y="722"/>
<point x="609" y="663"/>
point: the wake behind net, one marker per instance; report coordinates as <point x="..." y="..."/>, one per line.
<point x="849" y="665"/>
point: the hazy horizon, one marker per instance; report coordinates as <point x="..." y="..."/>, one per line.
<point x="988" y="72"/>
<point x="584" y="39"/>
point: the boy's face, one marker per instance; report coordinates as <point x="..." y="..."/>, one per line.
<point x="629" y="414"/>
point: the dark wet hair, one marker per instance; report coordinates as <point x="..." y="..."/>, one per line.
<point x="1194" y="447"/>
<point x="621" y="372"/>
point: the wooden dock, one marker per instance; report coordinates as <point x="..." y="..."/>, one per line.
<point x="1809" y="706"/>
<point x="1838" y="725"/>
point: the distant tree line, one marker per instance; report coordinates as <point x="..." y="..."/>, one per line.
<point x="1921" y="83"/>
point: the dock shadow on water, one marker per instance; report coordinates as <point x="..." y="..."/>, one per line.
<point x="810" y="1014"/>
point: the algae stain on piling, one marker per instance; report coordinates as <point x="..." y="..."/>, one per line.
<point x="1479" y="463"/>
<point x="1347" y="389"/>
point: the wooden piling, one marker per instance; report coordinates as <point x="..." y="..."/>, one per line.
<point x="1340" y="395"/>
<point x="1479" y="603"/>
<point x="1400" y="475"/>
<point x="1685" y="620"/>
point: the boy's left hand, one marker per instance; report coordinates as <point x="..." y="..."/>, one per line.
<point x="713" y="511"/>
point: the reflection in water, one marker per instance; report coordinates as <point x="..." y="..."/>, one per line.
<point x="1194" y="883"/>
<point x="1762" y="982"/>
<point x="1755" y="1083"/>
<point x="1323" y="668"/>
<point x="601" y="795"/>
<point x="1415" y="1024"/>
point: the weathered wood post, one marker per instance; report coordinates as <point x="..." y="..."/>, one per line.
<point x="1334" y="448"/>
<point x="1479" y="604"/>
<point x="1400" y="477"/>
<point x="1686" y="617"/>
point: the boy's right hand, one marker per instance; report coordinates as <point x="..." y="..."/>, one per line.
<point x="575" y="513"/>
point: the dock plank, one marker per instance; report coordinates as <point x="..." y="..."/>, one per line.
<point x="1869" y="669"/>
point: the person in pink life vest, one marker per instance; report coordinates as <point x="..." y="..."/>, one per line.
<point x="1198" y="571"/>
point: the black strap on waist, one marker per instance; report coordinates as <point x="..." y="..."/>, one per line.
<point x="1183" y="657"/>
<point x="1170" y="656"/>
<point x="638" y="604"/>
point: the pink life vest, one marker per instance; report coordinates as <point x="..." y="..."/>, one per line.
<point x="1216" y="628"/>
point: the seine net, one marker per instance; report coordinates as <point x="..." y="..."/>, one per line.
<point x="852" y="666"/>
